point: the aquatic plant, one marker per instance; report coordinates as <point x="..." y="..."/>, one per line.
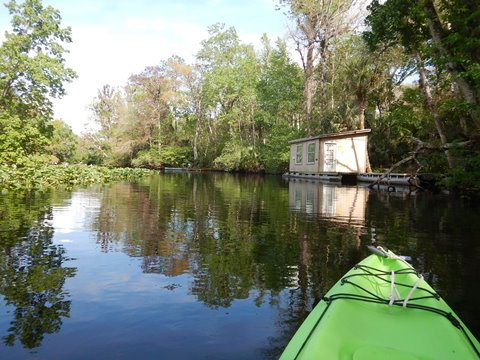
<point x="50" y="176"/>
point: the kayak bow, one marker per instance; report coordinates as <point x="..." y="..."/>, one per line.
<point x="382" y="309"/>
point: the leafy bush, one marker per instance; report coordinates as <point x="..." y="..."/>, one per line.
<point x="34" y="177"/>
<point x="146" y="159"/>
<point x="465" y="177"/>
<point x="176" y="156"/>
<point x="239" y="156"/>
<point x="275" y="152"/>
<point x="171" y="156"/>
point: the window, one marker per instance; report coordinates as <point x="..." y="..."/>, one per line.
<point x="330" y="156"/>
<point x="299" y="157"/>
<point x="309" y="202"/>
<point x="298" y="199"/>
<point x="311" y="153"/>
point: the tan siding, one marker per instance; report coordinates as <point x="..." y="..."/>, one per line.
<point x="350" y="154"/>
<point x="304" y="166"/>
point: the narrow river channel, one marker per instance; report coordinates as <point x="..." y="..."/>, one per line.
<point x="208" y="266"/>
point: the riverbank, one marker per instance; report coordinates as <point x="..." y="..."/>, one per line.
<point x="37" y="177"/>
<point x="52" y="176"/>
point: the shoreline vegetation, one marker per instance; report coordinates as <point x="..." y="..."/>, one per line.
<point x="235" y="107"/>
<point x="31" y="178"/>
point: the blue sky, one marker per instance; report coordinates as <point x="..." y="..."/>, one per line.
<point x="113" y="39"/>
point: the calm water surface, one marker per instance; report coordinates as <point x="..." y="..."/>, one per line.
<point x="210" y="266"/>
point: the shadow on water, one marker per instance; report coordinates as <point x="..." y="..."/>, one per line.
<point x="32" y="272"/>
<point x="252" y="251"/>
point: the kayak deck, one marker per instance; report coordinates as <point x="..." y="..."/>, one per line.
<point x="382" y="309"/>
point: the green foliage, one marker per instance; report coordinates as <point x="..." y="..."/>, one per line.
<point x="465" y="177"/>
<point x="275" y="152"/>
<point x="279" y="88"/>
<point x="90" y="150"/>
<point x="32" y="71"/>
<point x="32" y="63"/>
<point x="169" y="156"/>
<point x="176" y="156"/>
<point x="63" y="143"/>
<point x="396" y="22"/>
<point x="234" y="109"/>
<point x="21" y="140"/>
<point x="147" y="159"/>
<point x="239" y="156"/>
<point x="169" y="112"/>
<point x="391" y="137"/>
<point x="444" y="34"/>
<point x="443" y="39"/>
<point x="230" y="75"/>
<point x="34" y="177"/>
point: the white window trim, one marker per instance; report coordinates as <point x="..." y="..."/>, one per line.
<point x="314" y="152"/>
<point x="297" y="153"/>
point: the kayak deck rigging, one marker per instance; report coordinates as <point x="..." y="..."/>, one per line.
<point x="393" y="284"/>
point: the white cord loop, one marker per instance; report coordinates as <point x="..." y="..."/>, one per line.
<point x="420" y="278"/>
<point x="394" y="294"/>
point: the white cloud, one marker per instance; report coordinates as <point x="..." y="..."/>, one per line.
<point x="101" y="55"/>
<point x="115" y="39"/>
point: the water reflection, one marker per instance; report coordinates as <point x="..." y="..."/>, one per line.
<point x="32" y="271"/>
<point x="345" y="205"/>
<point x="243" y="258"/>
<point x="236" y="240"/>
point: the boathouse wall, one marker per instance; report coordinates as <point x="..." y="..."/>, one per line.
<point x="344" y="152"/>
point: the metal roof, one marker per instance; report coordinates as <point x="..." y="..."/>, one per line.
<point x="353" y="133"/>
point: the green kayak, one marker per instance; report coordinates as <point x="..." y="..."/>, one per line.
<point x="382" y="309"/>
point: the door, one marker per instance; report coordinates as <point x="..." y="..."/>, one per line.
<point x="330" y="157"/>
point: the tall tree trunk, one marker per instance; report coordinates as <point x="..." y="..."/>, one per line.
<point x="323" y="59"/>
<point x="431" y="107"/>
<point x="309" y="89"/>
<point x="197" y="132"/>
<point x="332" y="100"/>
<point x="468" y="91"/>
<point x="362" y="106"/>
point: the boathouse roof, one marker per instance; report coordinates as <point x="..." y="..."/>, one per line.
<point x="343" y="134"/>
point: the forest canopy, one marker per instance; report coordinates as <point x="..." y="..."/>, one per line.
<point x="411" y="74"/>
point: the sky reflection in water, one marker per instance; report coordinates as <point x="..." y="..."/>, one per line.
<point x="210" y="266"/>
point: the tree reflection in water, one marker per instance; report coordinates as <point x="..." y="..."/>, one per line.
<point x="223" y="239"/>
<point x="32" y="275"/>
<point x="236" y="239"/>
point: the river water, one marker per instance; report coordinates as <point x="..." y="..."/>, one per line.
<point x="208" y="266"/>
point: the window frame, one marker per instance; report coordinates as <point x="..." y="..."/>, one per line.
<point x="309" y="145"/>
<point x="299" y="154"/>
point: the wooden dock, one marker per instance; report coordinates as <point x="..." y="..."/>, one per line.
<point x="333" y="177"/>
<point x="390" y="179"/>
<point x="354" y="178"/>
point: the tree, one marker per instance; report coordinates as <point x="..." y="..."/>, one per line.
<point x="32" y="70"/>
<point x="279" y="88"/>
<point x="441" y="34"/>
<point x="279" y="105"/>
<point x="317" y="24"/>
<point x="63" y="144"/>
<point x="194" y="83"/>
<point x="453" y="27"/>
<point x="106" y="108"/>
<point x="230" y="72"/>
<point x="405" y="24"/>
<point x="442" y="39"/>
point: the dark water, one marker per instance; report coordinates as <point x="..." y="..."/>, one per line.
<point x="211" y="266"/>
